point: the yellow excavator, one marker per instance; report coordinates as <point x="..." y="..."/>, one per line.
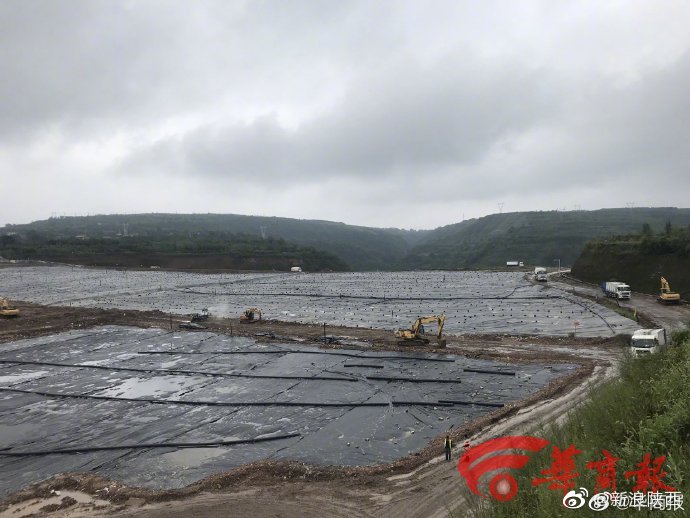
<point x="414" y="335"/>
<point x="6" y="310"/>
<point x="666" y="296"/>
<point x="250" y="316"/>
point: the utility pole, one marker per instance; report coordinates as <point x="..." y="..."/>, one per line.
<point x="500" y="207"/>
<point x="559" y="265"/>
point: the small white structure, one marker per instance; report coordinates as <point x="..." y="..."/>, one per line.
<point x="296" y="269"/>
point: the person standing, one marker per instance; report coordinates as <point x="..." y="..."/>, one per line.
<point x="448" y="445"/>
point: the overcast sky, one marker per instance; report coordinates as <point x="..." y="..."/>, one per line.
<point x="400" y="113"/>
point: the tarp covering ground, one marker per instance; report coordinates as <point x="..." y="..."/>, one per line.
<point x="474" y="302"/>
<point x="119" y="389"/>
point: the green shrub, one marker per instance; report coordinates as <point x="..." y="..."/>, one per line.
<point x="645" y="410"/>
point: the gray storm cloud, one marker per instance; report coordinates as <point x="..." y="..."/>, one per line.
<point x="326" y="109"/>
<point x="398" y="121"/>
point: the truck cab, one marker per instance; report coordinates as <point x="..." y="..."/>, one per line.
<point x="540" y="273"/>
<point x="647" y="341"/>
<point x="616" y="290"/>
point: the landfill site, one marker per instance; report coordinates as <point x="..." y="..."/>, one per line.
<point x="113" y="395"/>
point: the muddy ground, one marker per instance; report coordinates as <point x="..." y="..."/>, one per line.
<point x="38" y="320"/>
<point x="417" y="485"/>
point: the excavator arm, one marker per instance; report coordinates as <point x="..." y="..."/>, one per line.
<point x="666" y="296"/>
<point x="441" y="322"/>
<point x="416" y="331"/>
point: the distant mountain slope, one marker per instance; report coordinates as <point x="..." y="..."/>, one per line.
<point x="639" y="260"/>
<point x="203" y="251"/>
<point x="362" y="248"/>
<point x="532" y="237"/>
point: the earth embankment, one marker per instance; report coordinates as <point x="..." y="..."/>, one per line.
<point x="602" y="262"/>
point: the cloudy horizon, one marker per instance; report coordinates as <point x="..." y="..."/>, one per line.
<point x="386" y="114"/>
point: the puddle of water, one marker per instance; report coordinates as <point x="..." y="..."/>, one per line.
<point x="141" y="387"/>
<point x="9" y="433"/>
<point x="24" y="376"/>
<point x="171" y="363"/>
<point x="194" y="457"/>
<point x="233" y="388"/>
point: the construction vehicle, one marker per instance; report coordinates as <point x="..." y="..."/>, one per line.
<point x="666" y="296"/>
<point x="250" y="316"/>
<point x="540" y="274"/>
<point x="414" y="335"/>
<point x="616" y="290"/>
<point x="200" y="317"/>
<point x="6" y="310"/>
<point x="647" y="341"/>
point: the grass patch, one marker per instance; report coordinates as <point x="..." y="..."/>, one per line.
<point x="625" y="312"/>
<point x="645" y="410"/>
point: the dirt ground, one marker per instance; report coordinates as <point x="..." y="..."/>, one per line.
<point x="418" y="485"/>
<point x="651" y="312"/>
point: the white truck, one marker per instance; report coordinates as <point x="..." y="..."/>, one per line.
<point x="647" y="341"/>
<point x="616" y="290"/>
<point x="540" y="273"/>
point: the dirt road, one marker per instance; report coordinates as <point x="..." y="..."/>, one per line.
<point x="671" y="317"/>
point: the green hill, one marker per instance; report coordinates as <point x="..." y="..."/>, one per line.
<point x="361" y="248"/>
<point x="201" y="250"/>
<point x="537" y="238"/>
<point x="639" y="260"/>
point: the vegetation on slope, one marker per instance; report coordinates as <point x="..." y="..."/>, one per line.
<point x="537" y="238"/>
<point x="361" y="248"/>
<point x="644" y="411"/>
<point x="639" y="260"/>
<point x="210" y="250"/>
<point x="532" y="237"/>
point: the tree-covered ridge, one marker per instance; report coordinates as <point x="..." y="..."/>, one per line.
<point x="361" y="248"/>
<point x="672" y="240"/>
<point x="640" y="259"/>
<point x="244" y="251"/>
<point x="537" y="238"/>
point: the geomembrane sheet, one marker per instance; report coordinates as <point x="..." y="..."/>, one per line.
<point x="119" y="386"/>
<point x="474" y="302"/>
